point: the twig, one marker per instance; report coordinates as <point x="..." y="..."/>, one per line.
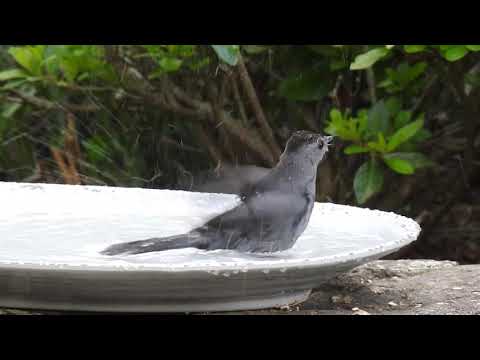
<point x="248" y="138"/>
<point x="224" y="87"/>
<point x="50" y="105"/>
<point x="207" y="141"/>
<point x="371" y="82"/>
<point x="183" y="147"/>
<point x="74" y="87"/>
<point x="172" y="105"/>
<point x="430" y="84"/>
<point x="72" y="148"/>
<point x="219" y="119"/>
<point x="201" y="106"/>
<point x="62" y="165"/>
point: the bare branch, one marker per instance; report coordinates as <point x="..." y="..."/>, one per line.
<point x="201" y="109"/>
<point x="218" y="116"/>
<point x="371" y="82"/>
<point x="50" y="105"/>
<point x="238" y="100"/>
<point x="175" y="99"/>
<point x="166" y="140"/>
<point x="214" y="152"/>
<point x="265" y="128"/>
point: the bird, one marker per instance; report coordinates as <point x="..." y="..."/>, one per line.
<point x="272" y="214"/>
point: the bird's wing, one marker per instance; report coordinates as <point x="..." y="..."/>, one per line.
<point x="267" y="207"/>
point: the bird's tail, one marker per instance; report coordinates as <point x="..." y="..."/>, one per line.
<point x="157" y="244"/>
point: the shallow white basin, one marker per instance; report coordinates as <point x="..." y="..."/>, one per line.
<point x="51" y="235"/>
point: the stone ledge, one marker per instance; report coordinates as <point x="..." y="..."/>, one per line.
<point x="400" y="287"/>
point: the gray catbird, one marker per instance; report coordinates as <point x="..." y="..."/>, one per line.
<point x="273" y="213"/>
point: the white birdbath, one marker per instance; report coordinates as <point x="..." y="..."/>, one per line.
<point x="51" y="236"/>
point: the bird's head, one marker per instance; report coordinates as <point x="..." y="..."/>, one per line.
<point x="308" y="144"/>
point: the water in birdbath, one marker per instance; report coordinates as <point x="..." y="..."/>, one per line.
<point x="56" y="225"/>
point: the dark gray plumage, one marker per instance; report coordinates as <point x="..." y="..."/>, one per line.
<point x="274" y="211"/>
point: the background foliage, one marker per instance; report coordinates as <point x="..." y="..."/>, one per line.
<point x="405" y="119"/>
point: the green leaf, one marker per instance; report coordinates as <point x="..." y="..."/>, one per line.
<point x="199" y="63"/>
<point x="393" y="105"/>
<point x="364" y="61"/>
<point x="382" y="142"/>
<point x="368" y="181"/>
<point x="169" y="64"/>
<point x="417" y="70"/>
<point x="404" y="134"/>
<point x="473" y="47"/>
<point x="385" y="83"/>
<point x="399" y="165"/>
<point x="228" y="53"/>
<point x="12" y="74"/>
<point x="355" y="149"/>
<point x="30" y="57"/>
<point x="10" y="109"/>
<point x="362" y="122"/>
<point x="380" y="145"/>
<point x="254" y="49"/>
<point x="378" y="118"/>
<point x="346" y="128"/>
<point x="402" y="76"/>
<point x="421" y="135"/>
<point x="417" y="160"/>
<point x="338" y="64"/>
<point x="181" y="50"/>
<point x="455" y="52"/>
<point x="336" y="115"/>
<point x="308" y="86"/>
<point x="70" y="70"/>
<point x="414" y="48"/>
<point x="402" y="119"/>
